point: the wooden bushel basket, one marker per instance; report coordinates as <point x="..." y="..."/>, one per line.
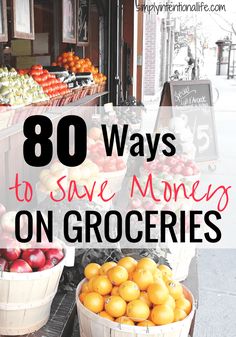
<point x="25" y="299"/>
<point x="92" y="325"/>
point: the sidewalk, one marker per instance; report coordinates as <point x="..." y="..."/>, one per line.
<point x="217" y="267"/>
<point x="217" y="294"/>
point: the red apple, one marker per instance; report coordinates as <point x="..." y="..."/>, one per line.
<point x="34" y="257"/>
<point x="187" y="171"/>
<point x="48" y="265"/>
<point x="3" y="264"/>
<point x="11" y="254"/>
<point x="20" y="266"/>
<point x="54" y="255"/>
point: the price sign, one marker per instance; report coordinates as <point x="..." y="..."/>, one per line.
<point x="83" y="23"/>
<point x="192" y="101"/>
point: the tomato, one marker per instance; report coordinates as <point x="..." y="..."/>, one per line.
<point x="37" y="67"/>
<point x="35" y="72"/>
<point x="44" y="77"/>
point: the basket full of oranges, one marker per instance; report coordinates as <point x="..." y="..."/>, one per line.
<point x="131" y="298"/>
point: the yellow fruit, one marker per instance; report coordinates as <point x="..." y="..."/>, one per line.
<point x="90" y="284"/>
<point x="143" y="278"/>
<point x="118" y="275"/>
<point x="82" y="297"/>
<point x="170" y="301"/>
<point x="184" y="304"/>
<point x="157" y="275"/>
<point x="85" y="287"/>
<point x="106" y="266"/>
<point x="144" y="297"/>
<point x="162" y="314"/>
<point x="124" y="320"/>
<point x="175" y="289"/>
<point x="91" y="270"/>
<point x="128" y="263"/>
<point x="115" y="291"/>
<point x="166" y="278"/>
<point x="179" y="315"/>
<point x="146" y="324"/>
<point x="104" y="314"/>
<point x="165" y="270"/>
<point x="157" y="293"/>
<point x="129" y="291"/>
<point x="138" y="311"/>
<point x="102" y="285"/>
<point x="115" y="306"/>
<point x="147" y="264"/>
<point x="94" y="302"/>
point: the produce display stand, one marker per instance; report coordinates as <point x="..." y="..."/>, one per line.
<point x="63" y="320"/>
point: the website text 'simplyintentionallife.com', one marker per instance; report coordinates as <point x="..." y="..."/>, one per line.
<point x="199" y="6"/>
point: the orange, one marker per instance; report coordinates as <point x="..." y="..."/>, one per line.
<point x="85" y="287"/>
<point x="118" y="275"/>
<point x="90" y="284"/>
<point x="71" y="64"/>
<point x="94" y="302"/>
<point x="170" y="301"/>
<point x="128" y="263"/>
<point x="115" y="306"/>
<point x="102" y="285"/>
<point x="175" y="289"/>
<point x="129" y="291"/>
<point x="166" y="278"/>
<point x="143" y="278"/>
<point x="162" y="314"/>
<point x="146" y="324"/>
<point x="92" y="269"/>
<point x="73" y="69"/>
<point x="115" y="291"/>
<point x="106" y="266"/>
<point x="144" y="297"/>
<point x="82" y="297"/>
<point x="104" y="314"/>
<point x="64" y="60"/>
<point x="179" y="315"/>
<point x="157" y="274"/>
<point x="147" y="264"/>
<point x="184" y="304"/>
<point x="124" y="320"/>
<point x="138" y="311"/>
<point x="165" y="270"/>
<point x="157" y="293"/>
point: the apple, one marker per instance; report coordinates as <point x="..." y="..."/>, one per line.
<point x="34" y="257"/>
<point x="20" y="266"/>
<point x="11" y="254"/>
<point x="54" y="255"/>
<point x="48" y="265"/>
<point x="188" y="171"/>
<point x="177" y="169"/>
<point x="3" y="264"/>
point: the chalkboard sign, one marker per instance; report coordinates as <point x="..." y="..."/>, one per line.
<point x="83" y="23"/>
<point x="180" y="95"/>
